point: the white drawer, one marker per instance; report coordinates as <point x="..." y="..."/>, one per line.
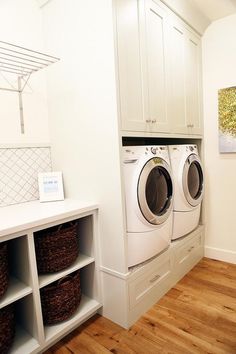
<point x="189" y="249"/>
<point x="142" y="285"/>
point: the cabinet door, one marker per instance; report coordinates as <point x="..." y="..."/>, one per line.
<point x="156" y="70"/>
<point x="128" y="26"/>
<point x="177" y="60"/>
<point x="193" y="83"/>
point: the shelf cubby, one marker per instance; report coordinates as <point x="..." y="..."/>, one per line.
<point x="20" y="283"/>
<point x="86" y="309"/>
<point x="80" y="262"/>
<point x="16" y="290"/>
<point x="26" y="335"/>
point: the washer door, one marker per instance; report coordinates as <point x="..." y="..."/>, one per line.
<point x="155" y="191"/>
<point x="193" y="180"/>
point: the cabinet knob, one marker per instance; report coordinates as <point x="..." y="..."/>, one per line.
<point x="154" y="121"/>
<point x="148" y="120"/>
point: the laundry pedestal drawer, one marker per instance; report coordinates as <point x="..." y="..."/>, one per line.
<point x="187" y="252"/>
<point x="152" y="282"/>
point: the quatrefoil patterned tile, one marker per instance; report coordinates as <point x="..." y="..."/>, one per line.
<point x="19" y="170"/>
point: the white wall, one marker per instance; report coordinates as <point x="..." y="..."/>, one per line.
<point x="83" y="112"/>
<point x="219" y="71"/>
<point x="20" y="24"/>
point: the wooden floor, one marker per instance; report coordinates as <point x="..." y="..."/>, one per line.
<point x="198" y="315"/>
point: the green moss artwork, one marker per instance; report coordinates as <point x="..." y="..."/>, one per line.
<point x="227" y="119"/>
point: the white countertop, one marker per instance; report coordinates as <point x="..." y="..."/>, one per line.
<point x="19" y="217"/>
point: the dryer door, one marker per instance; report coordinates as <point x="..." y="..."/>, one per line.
<point x="193" y="180"/>
<point x="155" y="191"/>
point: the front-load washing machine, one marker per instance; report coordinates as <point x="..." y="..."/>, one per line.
<point x="188" y="186"/>
<point x="149" y="201"/>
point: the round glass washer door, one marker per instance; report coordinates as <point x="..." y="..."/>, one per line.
<point x="155" y="191"/>
<point x="193" y="180"/>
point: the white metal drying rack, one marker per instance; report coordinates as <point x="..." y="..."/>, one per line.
<point x="22" y="62"/>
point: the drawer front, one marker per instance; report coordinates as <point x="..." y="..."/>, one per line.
<point x="141" y="286"/>
<point x="188" y="250"/>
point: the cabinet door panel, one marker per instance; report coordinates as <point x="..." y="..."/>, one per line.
<point x="130" y="65"/>
<point x="193" y="83"/>
<point x="178" y="88"/>
<point x="156" y="67"/>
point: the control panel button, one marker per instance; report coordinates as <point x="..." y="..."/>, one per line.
<point x="153" y="150"/>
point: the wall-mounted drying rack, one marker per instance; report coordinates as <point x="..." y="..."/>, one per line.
<point x="21" y="62"/>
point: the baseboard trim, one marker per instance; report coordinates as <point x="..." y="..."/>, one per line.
<point x="220" y="254"/>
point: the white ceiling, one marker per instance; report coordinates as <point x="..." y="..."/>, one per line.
<point x="215" y="9"/>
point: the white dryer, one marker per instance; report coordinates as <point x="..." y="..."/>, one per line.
<point x="188" y="185"/>
<point x="149" y="201"/>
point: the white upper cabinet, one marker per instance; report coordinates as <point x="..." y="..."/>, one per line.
<point x="159" y="71"/>
<point x="155" y="53"/>
<point x="185" y="76"/>
<point x="193" y="83"/>
<point x="130" y="65"/>
<point x="177" y="60"/>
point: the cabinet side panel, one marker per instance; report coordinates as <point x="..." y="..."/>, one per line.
<point x="115" y="299"/>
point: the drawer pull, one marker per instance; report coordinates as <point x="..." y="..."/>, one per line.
<point x="148" y="120"/>
<point x="190" y="249"/>
<point x="154" y="278"/>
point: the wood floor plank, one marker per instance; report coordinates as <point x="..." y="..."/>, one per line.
<point x="218" y="266"/>
<point x="104" y="331"/>
<point x="59" y="348"/>
<point x="197" y="316"/>
<point x="198" y="310"/>
<point x="183" y="336"/>
<point x="226" y="303"/>
<point x="195" y="328"/>
<point x="83" y="343"/>
<point x="138" y="343"/>
<point x="216" y="278"/>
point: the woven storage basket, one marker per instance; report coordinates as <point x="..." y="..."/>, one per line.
<point x="56" y="248"/>
<point x="7" y="328"/>
<point x="4" y="276"/>
<point x="61" y="299"/>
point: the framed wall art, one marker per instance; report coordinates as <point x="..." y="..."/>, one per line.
<point x="227" y="119"/>
<point x="50" y="186"/>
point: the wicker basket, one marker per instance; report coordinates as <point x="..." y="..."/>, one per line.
<point x="61" y="299"/>
<point x="4" y="276"/>
<point x="56" y="248"/>
<point x="7" y="328"/>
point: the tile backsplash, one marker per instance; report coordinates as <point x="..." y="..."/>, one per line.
<point x="19" y="168"/>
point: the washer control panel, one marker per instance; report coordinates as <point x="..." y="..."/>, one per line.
<point x="192" y="148"/>
<point x="134" y="153"/>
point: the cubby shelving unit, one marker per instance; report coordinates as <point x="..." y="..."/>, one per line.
<point x="32" y="336"/>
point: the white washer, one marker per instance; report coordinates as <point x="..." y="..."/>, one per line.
<point x="149" y="201"/>
<point x="188" y="186"/>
